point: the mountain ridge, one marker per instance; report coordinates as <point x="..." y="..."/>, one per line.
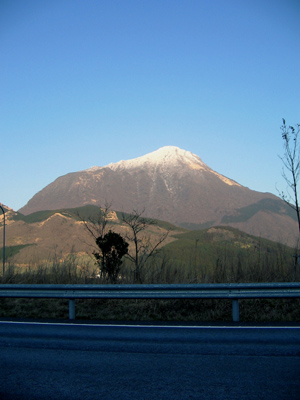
<point x="173" y="185"/>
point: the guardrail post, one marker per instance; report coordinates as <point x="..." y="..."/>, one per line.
<point x="71" y="308"/>
<point x="235" y="310"/>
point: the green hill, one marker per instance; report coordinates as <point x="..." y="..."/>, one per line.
<point x="84" y="213"/>
<point x="245" y="213"/>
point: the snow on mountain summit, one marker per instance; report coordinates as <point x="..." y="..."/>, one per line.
<point x="165" y="156"/>
<point x="164" y="160"/>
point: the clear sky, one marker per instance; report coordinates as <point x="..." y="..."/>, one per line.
<point x="90" y="82"/>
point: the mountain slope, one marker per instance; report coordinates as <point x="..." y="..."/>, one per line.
<point x="171" y="184"/>
<point x="52" y="235"/>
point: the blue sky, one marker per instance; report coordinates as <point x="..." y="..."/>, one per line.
<point x="86" y="83"/>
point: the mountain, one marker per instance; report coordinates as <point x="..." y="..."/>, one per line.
<point x="173" y="185"/>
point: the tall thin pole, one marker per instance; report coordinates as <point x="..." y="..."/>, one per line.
<point x="3" y="239"/>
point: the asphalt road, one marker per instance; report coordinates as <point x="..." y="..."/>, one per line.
<point x="71" y="361"/>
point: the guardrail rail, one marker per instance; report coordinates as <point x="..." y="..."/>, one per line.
<point x="233" y="291"/>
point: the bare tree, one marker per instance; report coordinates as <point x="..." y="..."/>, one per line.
<point x="143" y="246"/>
<point x="96" y="223"/>
<point x="291" y="166"/>
<point x="110" y="246"/>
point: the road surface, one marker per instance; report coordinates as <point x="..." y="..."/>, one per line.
<point x="76" y="361"/>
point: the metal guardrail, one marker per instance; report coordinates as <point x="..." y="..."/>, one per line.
<point x="233" y="291"/>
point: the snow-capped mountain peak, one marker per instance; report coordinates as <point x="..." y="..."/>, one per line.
<point x="165" y="159"/>
<point x="171" y="156"/>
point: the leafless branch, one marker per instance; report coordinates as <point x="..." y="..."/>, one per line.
<point x="291" y="166"/>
